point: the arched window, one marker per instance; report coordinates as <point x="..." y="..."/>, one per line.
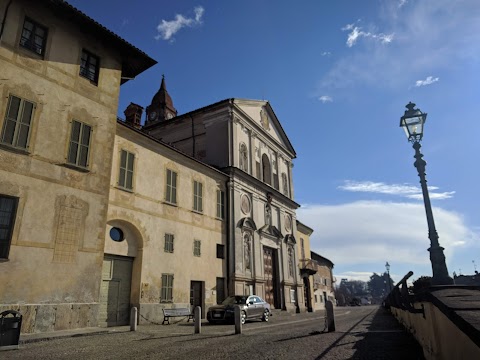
<point x="284" y="184"/>
<point x="243" y="157"/>
<point x="267" y="171"/>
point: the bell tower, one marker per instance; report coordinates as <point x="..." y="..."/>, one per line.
<point x="161" y="108"/>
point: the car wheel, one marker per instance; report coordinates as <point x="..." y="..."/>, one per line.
<point x="266" y="315"/>
<point x="243" y="317"/>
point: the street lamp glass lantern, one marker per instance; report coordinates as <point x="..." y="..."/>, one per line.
<point x="387" y="266"/>
<point x="412" y="122"/>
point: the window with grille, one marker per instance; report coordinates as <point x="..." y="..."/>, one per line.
<point x="125" y="177"/>
<point x="171" y="188"/>
<point x="197" y="247"/>
<point x="89" y="66"/>
<point x="197" y="196"/>
<point x="168" y="243"/>
<point x="8" y="209"/>
<point x="18" y="121"/>
<point x="79" y="144"/>
<point x="167" y="288"/>
<point x="220" y="204"/>
<point x="34" y="36"/>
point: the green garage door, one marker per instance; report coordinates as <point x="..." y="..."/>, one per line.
<point x="115" y="291"/>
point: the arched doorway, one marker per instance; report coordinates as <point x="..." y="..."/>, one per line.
<point x="120" y="283"/>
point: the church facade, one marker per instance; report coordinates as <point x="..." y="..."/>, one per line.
<point x="245" y="140"/>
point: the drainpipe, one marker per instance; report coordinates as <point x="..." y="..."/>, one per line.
<point x="5" y="18"/>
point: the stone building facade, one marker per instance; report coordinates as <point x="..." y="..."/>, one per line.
<point x="167" y="241"/>
<point x="244" y="139"/>
<point x="307" y="266"/>
<point x="323" y="281"/>
<point x="60" y="77"/>
<point x="99" y="214"/>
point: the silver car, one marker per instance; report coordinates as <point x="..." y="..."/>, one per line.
<point x="251" y="307"/>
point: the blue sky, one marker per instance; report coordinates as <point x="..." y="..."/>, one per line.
<point x="338" y="74"/>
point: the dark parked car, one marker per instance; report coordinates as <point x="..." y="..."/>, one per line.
<point x="251" y="307"/>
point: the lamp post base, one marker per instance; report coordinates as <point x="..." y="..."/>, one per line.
<point x="439" y="268"/>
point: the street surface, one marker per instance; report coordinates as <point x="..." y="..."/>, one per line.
<point x="366" y="332"/>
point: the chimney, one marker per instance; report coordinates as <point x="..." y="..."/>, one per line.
<point x="133" y="115"/>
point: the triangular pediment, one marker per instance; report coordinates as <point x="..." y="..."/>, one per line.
<point x="262" y="114"/>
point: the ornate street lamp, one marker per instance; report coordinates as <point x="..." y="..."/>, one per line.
<point x="412" y="122"/>
<point x="387" y="266"/>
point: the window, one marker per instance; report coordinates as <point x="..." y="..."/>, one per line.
<point x="302" y="246"/>
<point x="197" y="196"/>
<point x="316" y="298"/>
<point x="34" y="36"/>
<point x="171" y="188"/>
<point x="285" y="184"/>
<point x="243" y="157"/>
<point x="220" y="251"/>
<point x="18" y="120"/>
<point x="168" y="243"/>
<point x="197" y="247"/>
<point x="89" y="66"/>
<point x="267" y="172"/>
<point x="8" y="208"/>
<point x="220" y="204"/>
<point x="167" y="288"/>
<point x="125" y="178"/>
<point x="79" y="144"/>
<point x="220" y="290"/>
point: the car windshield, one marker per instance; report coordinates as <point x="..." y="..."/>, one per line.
<point x="232" y="300"/>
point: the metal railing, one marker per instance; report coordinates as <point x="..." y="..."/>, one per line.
<point x="400" y="297"/>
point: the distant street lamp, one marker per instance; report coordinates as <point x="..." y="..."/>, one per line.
<point x="387" y="266"/>
<point x="412" y="122"/>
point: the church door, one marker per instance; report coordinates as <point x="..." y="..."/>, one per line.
<point x="270" y="278"/>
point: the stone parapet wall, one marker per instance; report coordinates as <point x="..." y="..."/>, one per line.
<point x="439" y="336"/>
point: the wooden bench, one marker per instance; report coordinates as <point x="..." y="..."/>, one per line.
<point x="177" y="312"/>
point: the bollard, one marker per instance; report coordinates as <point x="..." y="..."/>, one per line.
<point x="238" y="320"/>
<point x="330" y="318"/>
<point x="133" y="319"/>
<point x="197" y="313"/>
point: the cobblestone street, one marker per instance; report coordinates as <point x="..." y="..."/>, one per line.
<point x="361" y="333"/>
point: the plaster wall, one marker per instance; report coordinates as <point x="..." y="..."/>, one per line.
<point x="323" y="273"/>
<point x="53" y="269"/>
<point x="303" y="250"/>
<point x="145" y="210"/>
<point x="439" y="337"/>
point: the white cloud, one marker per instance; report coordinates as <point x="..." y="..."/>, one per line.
<point x="353" y="275"/>
<point x="430" y="35"/>
<point x="356" y="33"/>
<point x="429" y="80"/>
<point x="326" y="53"/>
<point x="325" y="98"/>
<point x="401" y="3"/>
<point x="167" y="29"/>
<point x="365" y="234"/>
<point x="406" y="190"/>
<point x="433" y="196"/>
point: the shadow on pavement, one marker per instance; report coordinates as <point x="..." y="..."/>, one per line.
<point x="379" y="336"/>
